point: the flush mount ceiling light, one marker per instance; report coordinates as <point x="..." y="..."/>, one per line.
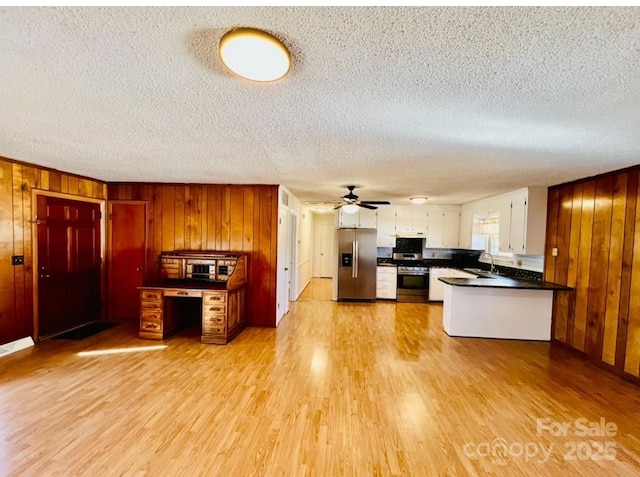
<point x="418" y="200"/>
<point x="254" y="54"/>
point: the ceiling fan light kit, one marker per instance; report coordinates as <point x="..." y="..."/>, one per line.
<point x="254" y="54"/>
<point x="351" y="202"/>
<point x="350" y="208"/>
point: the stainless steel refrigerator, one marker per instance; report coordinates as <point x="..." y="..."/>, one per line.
<point x="357" y="264"/>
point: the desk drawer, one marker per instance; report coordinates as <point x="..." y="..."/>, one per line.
<point x="151" y="305"/>
<point x="214" y="309"/>
<point x="151" y="295"/>
<point x="151" y="315"/>
<point x="213" y="329"/>
<point x="213" y="321"/>
<point x="150" y="326"/>
<point x="178" y="292"/>
<point x="214" y="298"/>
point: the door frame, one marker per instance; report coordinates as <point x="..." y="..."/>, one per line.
<point x="35" y="194"/>
<point x="110" y="237"/>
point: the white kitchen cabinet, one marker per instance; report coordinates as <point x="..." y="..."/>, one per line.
<point x="411" y="220"/>
<point x="367" y="218"/>
<point x="435" y="229"/>
<point x="504" y="224"/>
<point x="443" y="227"/>
<point x="363" y="218"/>
<point x="386" y="282"/>
<point x="436" y="287"/>
<point x="386" y="236"/>
<point x="517" y="225"/>
<point x="344" y="220"/>
<point x="522" y="231"/>
<point x="466" y="226"/>
<point x="403" y="220"/>
<point x="450" y="228"/>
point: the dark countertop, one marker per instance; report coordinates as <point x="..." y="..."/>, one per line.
<point x="499" y="281"/>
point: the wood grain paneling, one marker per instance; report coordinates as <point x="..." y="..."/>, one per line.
<point x="239" y="218"/>
<point x="17" y="181"/>
<point x="601" y="317"/>
<point x="584" y="266"/>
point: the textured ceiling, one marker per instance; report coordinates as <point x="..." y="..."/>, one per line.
<point x="455" y="103"/>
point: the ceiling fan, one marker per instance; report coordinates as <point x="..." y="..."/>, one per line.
<point x="351" y="199"/>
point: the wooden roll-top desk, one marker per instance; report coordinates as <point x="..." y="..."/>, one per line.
<point x="208" y="285"/>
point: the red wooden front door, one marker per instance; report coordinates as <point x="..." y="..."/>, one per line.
<point x="68" y="264"/>
<point x="127" y="222"/>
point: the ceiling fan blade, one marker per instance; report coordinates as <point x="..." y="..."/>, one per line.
<point x="338" y="206"/>
<point x="367" y="206"/>
<point x="377" y="202"/>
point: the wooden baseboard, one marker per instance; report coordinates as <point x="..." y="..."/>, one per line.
<point x="601" y="364"/>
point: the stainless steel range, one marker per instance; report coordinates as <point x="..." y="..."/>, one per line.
<point x="413" y="278"/>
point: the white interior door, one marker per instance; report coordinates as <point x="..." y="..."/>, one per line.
<point x="293" y="258"/>
<point x="326" y="250"/>
<point x="282" y="286"/>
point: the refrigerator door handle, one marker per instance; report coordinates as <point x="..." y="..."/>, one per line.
<point x="355" y="258"/>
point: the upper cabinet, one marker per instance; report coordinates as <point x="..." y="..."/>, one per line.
<point x="411" y="220"/>
<point x="443" y="227"/>
<point x="363" y="219"/>
<point x="527" y="222"/>
<point x="439" y="225"/>
<point x="386" y="236"/>
<point x="521" y="221"/>
<point x="451" y="228"/>
<point x="466" y="226"/>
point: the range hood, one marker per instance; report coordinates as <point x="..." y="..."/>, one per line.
<point x="417" y="235"/>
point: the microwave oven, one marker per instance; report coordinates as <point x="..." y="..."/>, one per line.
<point x="409" y="245"/>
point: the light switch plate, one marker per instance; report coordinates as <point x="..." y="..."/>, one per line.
<point x="554" y="251"/>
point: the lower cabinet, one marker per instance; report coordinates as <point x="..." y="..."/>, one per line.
<point x="436" y="287"/>
<point x="386" y="282"/>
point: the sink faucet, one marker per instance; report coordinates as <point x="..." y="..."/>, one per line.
<point x="493" y="267"/>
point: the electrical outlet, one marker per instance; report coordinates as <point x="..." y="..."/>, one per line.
<point x="17" y="260"/>
<point x="554" y="252"/>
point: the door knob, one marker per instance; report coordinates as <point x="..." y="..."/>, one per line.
<point x="138" y="269"/>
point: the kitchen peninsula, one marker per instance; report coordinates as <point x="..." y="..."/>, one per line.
<point x="208" y="286"/>
<point x="498" y="307"/>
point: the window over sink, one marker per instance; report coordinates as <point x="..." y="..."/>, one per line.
<point x="486" y="234"/>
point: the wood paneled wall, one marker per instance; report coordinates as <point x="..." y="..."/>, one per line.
<point x="595" y="225"/>
<point x="240" y="218"/>
<point x="17" y="180"/>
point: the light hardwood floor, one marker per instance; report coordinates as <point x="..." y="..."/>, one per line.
<point x="337" y="389"/>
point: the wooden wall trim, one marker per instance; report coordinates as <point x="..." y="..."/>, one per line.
<point x="595" y="361"/>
